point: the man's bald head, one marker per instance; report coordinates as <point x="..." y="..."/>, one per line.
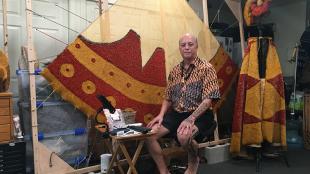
<point x="188" y="35"/>
<point x="188" y="46"/>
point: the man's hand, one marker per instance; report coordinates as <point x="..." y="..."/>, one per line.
<point x="186" y="126"/>
<point x="157" y="120"/>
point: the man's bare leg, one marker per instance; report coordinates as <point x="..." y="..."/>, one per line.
<point x="155" y="149"/>
<point x="193" y="158"/>
<point x="185" y="138"/>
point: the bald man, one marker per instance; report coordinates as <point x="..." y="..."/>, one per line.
<point x="186" y="109"/>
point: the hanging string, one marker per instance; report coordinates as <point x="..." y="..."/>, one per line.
<point x="217" y="16"/>
<point x="229" y="27"/>
<point x="72" y="13"/>
<point x="42" y="89"/>
<point x="37" y="14"/>
<point x="124" y="6"/>
<point x="48" y="57"/>
<point x="44" y="101"/>
<point x="50" y="36"/>
<point x="37" y="29"/>
<point x="217" y="13"/>
<point x="96" y="1"/>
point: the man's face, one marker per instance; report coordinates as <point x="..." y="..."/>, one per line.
<point x="188" y="47"/>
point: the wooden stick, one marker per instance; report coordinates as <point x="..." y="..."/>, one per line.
<point x="104" y="20"/>
<point x="31" y="64"/>
<point x="136" y="155"/>
<point x="212" y="143"/>
<point x="5" y="29"/>
<point x="205" y="12"/>
<point x="241" y="30"/>
<point x="129" y="161"/>
<point x="216" y="131"/>
<point x="100" y="7"/>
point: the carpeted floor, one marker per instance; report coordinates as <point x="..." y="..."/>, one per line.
<point x="298" y="159"/>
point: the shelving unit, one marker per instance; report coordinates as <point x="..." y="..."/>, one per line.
<point x="6" y="121"/>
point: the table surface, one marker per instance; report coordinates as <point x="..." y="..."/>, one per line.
<point x="132" y="136"/>
<point x="101" y="128"/>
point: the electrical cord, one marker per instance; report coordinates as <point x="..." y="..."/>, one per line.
<point x="50" y="161"/>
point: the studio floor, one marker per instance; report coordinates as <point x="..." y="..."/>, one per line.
<point x="299" y="161"/>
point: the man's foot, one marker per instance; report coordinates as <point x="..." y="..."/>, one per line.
<point x="192" y="166"/>
<point x="164" y="172"/>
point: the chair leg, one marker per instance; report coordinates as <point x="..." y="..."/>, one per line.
<point x="279" y="155"/>
<point x="285" y="159"/>
<point x="258" y="160"/>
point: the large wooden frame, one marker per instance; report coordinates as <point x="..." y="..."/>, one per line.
<point x="41" y="162"/>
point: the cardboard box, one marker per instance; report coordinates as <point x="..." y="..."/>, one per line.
<point x="217" y="154"/>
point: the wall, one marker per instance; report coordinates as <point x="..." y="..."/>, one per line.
<point x="289" y="19"/>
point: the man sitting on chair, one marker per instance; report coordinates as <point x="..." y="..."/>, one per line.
<point x="186" y="109"/>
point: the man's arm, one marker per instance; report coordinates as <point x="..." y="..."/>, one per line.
<point x="204" y="105"/>
<point x="159" y="118"/>
<point x="210" y="92"/>
<point x="164" y="107"/>
<point x="187" y="125"/>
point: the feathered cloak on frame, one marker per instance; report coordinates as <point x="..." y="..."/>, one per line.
<point x="259" y="113"/>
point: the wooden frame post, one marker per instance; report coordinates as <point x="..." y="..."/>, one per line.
<point x="241" y="30"/>
<point x="100" y="7"/>
<point x="40" y="152"/>
<point x="103" y="6"/>
<point x="206" y="22"/>
<point x="104" y="20"/>
<point x="205" y="13"/>
<point x="31" y="66"/>
<point x="5" y="29"/>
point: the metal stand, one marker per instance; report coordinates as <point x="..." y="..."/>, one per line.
<point x="260" y="152"/>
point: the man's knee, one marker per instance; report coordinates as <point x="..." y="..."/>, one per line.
<point x="183" y="139"/>
<point x="160" y="132"/>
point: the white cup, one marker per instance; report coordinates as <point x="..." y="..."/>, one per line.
<point x="105" y="162"/>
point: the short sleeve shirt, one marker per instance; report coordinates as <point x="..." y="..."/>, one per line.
<point x="186" y="89"/>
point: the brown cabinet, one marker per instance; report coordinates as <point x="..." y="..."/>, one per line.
<point x="6" y="113"/>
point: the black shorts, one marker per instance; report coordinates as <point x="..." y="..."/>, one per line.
<point x="173" y="119"/>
